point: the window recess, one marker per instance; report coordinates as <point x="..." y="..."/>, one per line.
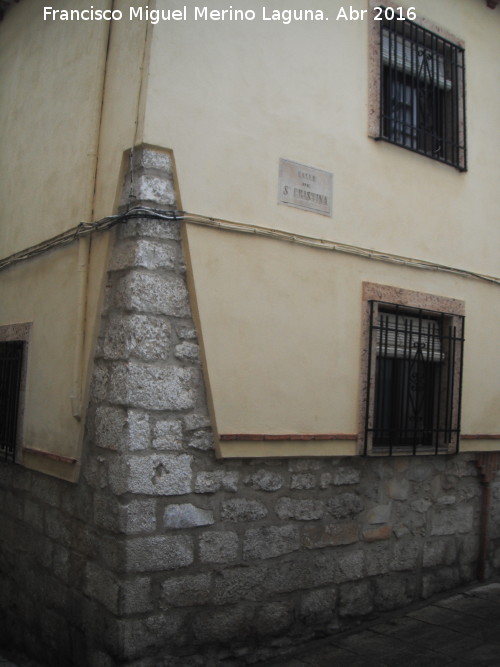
<point x="414" y="381"/>
<point x="422" y="92"/>
<point x="11" y="364"/>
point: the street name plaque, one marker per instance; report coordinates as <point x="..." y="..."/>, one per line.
<point x="305" y="187"/>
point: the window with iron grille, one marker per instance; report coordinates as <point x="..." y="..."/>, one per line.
<point x="11" y="364"/>
<point x="422" y="92"/>
<point x="414" y="380"/>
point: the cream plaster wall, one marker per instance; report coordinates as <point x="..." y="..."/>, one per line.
<point x="231" y="98"/>
<point x="280" y="324"/>
<point x="70" y="101"/>
<point x="281" y="333"/>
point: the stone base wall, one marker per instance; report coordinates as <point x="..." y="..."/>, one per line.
<point x="163" y="555"/>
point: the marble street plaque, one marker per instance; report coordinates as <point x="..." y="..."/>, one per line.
<point x="305" y="187"/>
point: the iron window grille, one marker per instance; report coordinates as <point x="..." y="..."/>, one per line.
<point x="422" y="97"/>
<point x="414" y="381"/>
<point x="11" y="362"/>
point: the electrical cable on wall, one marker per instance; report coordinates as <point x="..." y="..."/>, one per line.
<point x="86" y="228"/>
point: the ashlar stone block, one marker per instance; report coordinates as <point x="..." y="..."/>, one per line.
<point x="452" y="520"/>
<point x="155" y="475"/>
<point x="146" y="337"/>
<point x="243" y="509"/>
<point x="153" y="293"/>
<point x="187" y="516"/>
<point x="186" y="591"/>
<point x="216" y="480"/>
<point x="167" y="435"/>
<point x="154" y="387"/>
<point x="334" y="534"/>
<point x="301" y="509"/>
<point x="159" y="552"/>
<point x="266" y="480"/>
<point x="218" y="547"/>
<point x="270" y="541"/>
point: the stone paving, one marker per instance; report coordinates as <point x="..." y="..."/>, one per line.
<point x="458" y="630"/>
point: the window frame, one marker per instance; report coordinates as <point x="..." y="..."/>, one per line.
<point x="20" y="332"/>
<point x="452" y="311"/>
<point x="415" y="137"/>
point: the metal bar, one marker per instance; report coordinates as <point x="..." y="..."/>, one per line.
<point x="368" y="385"/>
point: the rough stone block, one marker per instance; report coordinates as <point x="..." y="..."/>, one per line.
<point x="398" y="488"/>
<point x="318" y="602"/>
<point x="391" y="593"/>
<point x="420" y="505"/>
<point x="273" y="618"/>
<point x="305" y="465"/>
<point x="439" y="552"/>
<point x="300" y="509"/>
<point x="453" y="520"/>
<point x="33" y="514"/>
<point x="375" y="534"/>
<point x="150" y="188"/>
<point x="138" y="436"/>
<point x="217" y="480"/>
<point x="138" y="516"/>
<point x="145" y="337"/>
<point x="143" y="253"/>
<point x="303" y="481"/>
<point x="187" y="332"/>
<point x="356" y="599"/>
<point x="334" y="534"/>
<point x="202" y="440"/>
<point x="159" y="552"/>
<point x="379" y="514"/>
<point x="106" y="512"/>
<point x="154" y="293"/>
<point x="442" y="580"/>
<point x="405" y="555"/>
<point x="187" y="516"/>
<point x="135" y="596"/>
<point x="150" y="228"/>
<point x="378" y="559"/>
<point x="460" y="466"/>
<point x="243" y="509"/>
<point x="58" y="527"/>
<point x="222" y="626"/>
<point x="420" y="471"/>
<point x="138" y="637"/>
<point x="239" y="583"/>
<point x="349" y="566"/>
<point x="270" y="541"/>
<point x="110" y="427"/>
<point x="265" y="480"/>
<point x="188" y="352"/>
<point x="46" y="489"/>
<point x="167" y="435"/>
<point x="196" y="421"/>
<point x="156" y="475"/>
<point x="154" y="387"/>
<point x="345" y="505"/>
<point x="102" y="586"/>
<point x="218" y="547"/>
<point x="345" y="475"/>
<point x="100" y="380"/>
<point x="186" y="591"/>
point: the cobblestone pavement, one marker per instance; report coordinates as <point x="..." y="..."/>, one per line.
<point x="458" y="630"/>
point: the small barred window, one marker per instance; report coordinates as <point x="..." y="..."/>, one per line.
<point x="414" y="380"/>
<point x="11" y="362"/>
<point x="422" y="95"/>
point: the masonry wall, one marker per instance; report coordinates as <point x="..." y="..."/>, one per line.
<point x="162" y="554"/>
